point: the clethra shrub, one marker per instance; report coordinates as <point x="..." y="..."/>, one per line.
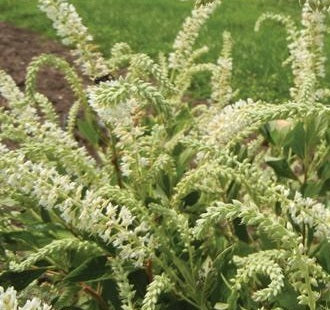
<point x="145" y="199"/>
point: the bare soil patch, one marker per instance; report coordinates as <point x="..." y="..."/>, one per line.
<point x="18" y="47"/>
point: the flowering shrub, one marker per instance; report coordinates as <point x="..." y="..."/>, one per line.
<point x="165" y="203"/>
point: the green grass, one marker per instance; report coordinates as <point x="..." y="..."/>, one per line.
<point x="151" y="26"/>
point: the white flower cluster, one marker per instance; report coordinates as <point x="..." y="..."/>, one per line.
<point x="8" y="301"/>
<point x="301" y="267"/>
<point x="221" y="77"/>
<point x="307" y="211"/>
<point x="306" y="54"/>
<point x="226" y="123"/>
<point x="318" y="5"/>
<point x="159" y="285"/>
<point x="130" y="150"/>
<point x="264" y="262"/>
<point x="315" y="28"/>
<point x="37" y="140"/>
<point x="135" y="245"/>
<point x="107" y="94"/>
<point x="66" y="21"/>
<point x="120" y="106"/>
<point x="306" y="51"/>
<point x="58" y="246"/>
<point x="141" y="64"/>
<point x="114" y="113"/>
<point x="186" y="38"/>
<point x="125" y="289"/>
<point x="69" y="26"/>
<point x="87" y="212"/>
<point x="8" y="88"/>
<point x="125" y="165"/>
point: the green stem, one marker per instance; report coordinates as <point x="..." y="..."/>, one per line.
<point x="115" y="157"/>
<point x="311" y="300"/>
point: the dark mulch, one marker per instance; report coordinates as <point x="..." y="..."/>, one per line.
<point x="18" y="47"/>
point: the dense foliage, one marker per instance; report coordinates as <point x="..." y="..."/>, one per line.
<point x="147" y="199"/>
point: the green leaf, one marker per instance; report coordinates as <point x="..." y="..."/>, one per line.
<point x="326" y="187"/>
<point x="316" y="127"/>
<point x="88" y="131"/>
<point x="241" y="230"/>
<point x="24" y="240"/>
<point x="67" y="298"/>
<point x="110" y="293"/>
<point x="183" y="159"/>
<point x="92" y="269"/>
<point x="20" y="280"/>
<point x="324" y="171"/>
<point x="297" y="138"/>
<point x="233" y="190"/>
<point x="45" y="215"/>
<point x="281" y="167"/>
<point x="182" y="119"/>
<point x="160" y="194"/>
<point x="312" y="188"/>
<point x="265" y="131"/>
<point x="279" y="132"/>
<point x="288" y="298"/>
<point x="140" y="281"/>
<point x="191" y="198"/>
<point x="324" y="257"/>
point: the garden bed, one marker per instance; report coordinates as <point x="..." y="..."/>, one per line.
<point x="18" y="47"/>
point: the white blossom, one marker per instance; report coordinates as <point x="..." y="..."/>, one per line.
<point x="69" y="26"/>
<point x="8" y="301"/>
<point x="186" y="38"/>
<point x="307" y="211"/>
<point x="225" y="124"/>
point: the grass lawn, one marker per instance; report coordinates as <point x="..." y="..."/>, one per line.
<point x="151" y="26"/>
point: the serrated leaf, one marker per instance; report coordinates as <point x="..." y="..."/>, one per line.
<point x="281" y="167"/>
<point x="24" y="240"/>
<point x="92" y="269"/>
<point x="20" y="280"/>
<point x="110" y="293"/>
